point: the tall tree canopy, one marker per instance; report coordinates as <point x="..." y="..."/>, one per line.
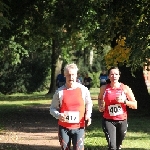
<point x="43" y="35"/>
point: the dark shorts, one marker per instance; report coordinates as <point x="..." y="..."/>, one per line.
<point x="103" y="83"/>
<point x="76" y="136"/>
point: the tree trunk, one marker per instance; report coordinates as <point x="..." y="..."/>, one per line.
<point x="55" y="66"/>
<point x="138" y="86"/>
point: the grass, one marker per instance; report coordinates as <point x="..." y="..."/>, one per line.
<point x="137" y="137"/>
<point x="94" y="92"/>
<point x="20" y="100"/>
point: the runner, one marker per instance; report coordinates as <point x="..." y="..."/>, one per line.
<point x="112" y="100"/>
<point x="60" y="80"/>
<point x="75" y="107"/>
<point x="87" y="81"/>
<point x="103" y="78"/>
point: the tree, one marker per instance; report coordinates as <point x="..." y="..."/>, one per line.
<point x="56" y="27"/>
<point x="136" y="32"/>
<point x="21" y="47"/>
<point x="4" y="22"/>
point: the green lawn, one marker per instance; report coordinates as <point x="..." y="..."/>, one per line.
<point x="137" y="138"/>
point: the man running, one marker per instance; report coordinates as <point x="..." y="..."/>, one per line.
<point x="75" y="107"/>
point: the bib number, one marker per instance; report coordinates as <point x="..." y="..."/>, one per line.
<point x="72" y="116"/>
<point x="115" y="110"/>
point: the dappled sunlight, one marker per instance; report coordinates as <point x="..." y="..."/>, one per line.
<point x="26" y="97"/>
<point x="28" y="125"/>
<point x="35" y="139"/>
<point x="138" y="135"/>
<point x="134" y="143"/>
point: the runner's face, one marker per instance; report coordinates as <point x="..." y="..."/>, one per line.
<point x="71" y="76"/>
<point x="114" y="75"/>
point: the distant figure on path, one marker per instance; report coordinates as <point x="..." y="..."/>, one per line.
<point x="103" y="78"/>
<point x="87" y="81"/>
<point x="60" y="80"/>
<point x="79" y="78"/>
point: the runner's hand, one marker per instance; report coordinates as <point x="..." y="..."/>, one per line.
<point x="62" y="117"/>
<point x="102" y="106"/>
<point x="89" y="120"/>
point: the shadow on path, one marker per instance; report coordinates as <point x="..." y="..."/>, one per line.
<point x="29" y="129"/>
<point x="33" y="128"/>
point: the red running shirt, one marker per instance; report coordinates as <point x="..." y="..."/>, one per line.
<point x="113" y="109"/>
<point x="74" y="108"/>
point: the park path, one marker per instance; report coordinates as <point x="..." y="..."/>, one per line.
<point x="32" y="129"/>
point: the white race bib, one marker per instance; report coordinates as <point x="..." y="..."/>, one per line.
<point x="72" y="116"/>
<point x="115" y="110"/>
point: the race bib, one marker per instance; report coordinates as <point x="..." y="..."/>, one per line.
<point x="115" y="110"/>
<point x="72" y="116"/>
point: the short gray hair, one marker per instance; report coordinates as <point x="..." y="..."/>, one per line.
<point x="70" y="66"/>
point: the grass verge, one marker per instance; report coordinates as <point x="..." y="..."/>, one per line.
<point x="137" y="137"/>
<point x="138" y="133"/>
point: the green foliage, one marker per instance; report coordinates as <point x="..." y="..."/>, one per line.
<point x="95" y="79"/>
<point x="4" y="22"/>
<point x="29" y="75"/>
<point x="135" y="29"/>
<point x="76" y="27"/>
